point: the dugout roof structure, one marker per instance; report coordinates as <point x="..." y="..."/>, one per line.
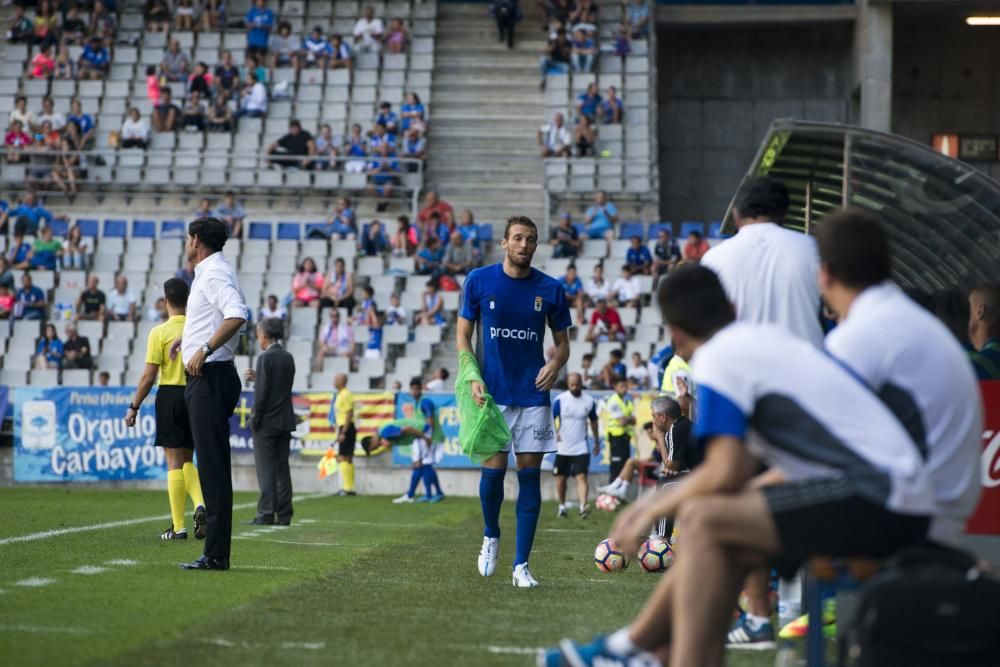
<point x="942" y="215"/>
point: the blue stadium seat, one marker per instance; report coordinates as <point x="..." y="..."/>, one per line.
<point x="115" y="229"/>
<point x="287" y="231"/>
<point x="59" y="227"/>
<point x="87" y="226"/>
<point x="172" y="229"/>
<point x="715" y="230"/>
<point x="485" y="233"/>
<point x="629" y="229"/>
<point x="689" y="226"/>
<point x="260" y="230"/>
<point x="654" y="229"/>
<point x="581" y="229"/>
<point x="314" y="225"/>
<point x="144" y="229"/>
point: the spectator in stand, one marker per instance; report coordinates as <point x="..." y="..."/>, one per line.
<point x="554" y="138"/>
<point x="74" y="28"/>
<point x="186" y="273"/>
<point x="284" y="47"/>
<point x="436" y="383"/>
<point x="432" y="202"/>
<point x="220" y="116"/>
<point x="316" y="50"/>
<point x="639" y="373"/>
<point x="30" y="300"/>
<point x="470" y="232"/>
<point x="387" y="118"/>
<point x="20" y="29"/>
<point x="64" y="65"/>
<point x="459" y="258"/>
<point x="638" y="257"/>
<point x="42" y="65"/>
<point x="294" y="149"/>
<point x="22" y="114"/>
<point x="339" y="289"/>
<point x="557" y="13"/>
<point x="104" y="379"/>
<point x="94" y="61"/>
<point x="637" y="18"/>
<point x="368" y="32"/>
<point x="601" y="218"/>
<point x="411" y="114"/>
<point x="193" y="113"/>
<point x="327" y="146"/>
<point x="185" y="15"/>
<point x="46" y="251"/>
<point x="157" y="15"/>
<point x="7" y="302"/>
<point x="583" y="16"/>
<point x="49" y="114"/>
<point x="614" y="370"/>
<point x="232" y="214"/>
<point x="340" y="53"/>
<point x="429" y="258"/>
<point x="396" y="39"/>
<point x="597" y="287"/>
<point x="585" y="137"/>
<point x="605" y="324"/>
<point x="165" y="114"/>
<point x="175" y="65"/>
<point x="204" y="209"/>
<point x="584" y="52"/>
<point x="227" y="76"/>
<point x="307" y="285"/>
<point x="19" y="252"/>
<point x="395" y="313"/>
<point x="152" y="85"/>
<point x="432" y="312"/>
<point x="200" y="81"/>
<point x="213" y="15"/>
<point x="103" y="23"/>
<point x="556" y="57"/>
<point x="6" y="275"/>
<point x="573" y="287"/>
<point x="374" y="241"/>
<point x="49" y="351"/>
<point x="253" y="103"/>
<point x="565" y="239"/>
<point x="90" y="305"/>
<point x="414" y="147"/>
<point x="16" y="141"/>
<point x="627" y="288"/>
<point x="157" y="311"/>
<point x="76" y="350"/>
<point x="75" y="251"/>
<point x="29" y="214"/>
<point x="135" y="131"/>
<point x="364" y="311"/>
<point x="356" y="147"/>
<point x="588" y="102"/>
<point x="121" y="302"/>
<point x="273" y="309"/>
<point x="341" y="224"/>
<point x="611" y="108"/>
<point x="384" y="174"/>
<point x="45" y="27"/>
<point x="695" y="247"/>
<point x="405" y="241"/>
<point x="666" y="253"/>
<point x="252" y="63"/>
<point x="336" y="340"/>
<point x="587" y="371"/>
<point x="506" y="13"/>
<point x="259" y="23"/>
<point x="84" y="124"/>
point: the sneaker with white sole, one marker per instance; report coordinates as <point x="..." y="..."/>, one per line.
<point x="403" y="499"/>
<point x="620" y="492"/>
<point x="744" y="636"/>
<point x="523" y="578"/>
<point x="488" y="556"/>
<point x="585" y="511"/>
<point x="562" y="513"/>
<point x="608" y="488"/>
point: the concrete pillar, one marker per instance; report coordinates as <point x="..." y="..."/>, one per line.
<point x="873" y="50"/>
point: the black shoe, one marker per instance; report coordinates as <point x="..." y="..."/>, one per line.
<point x="206" y="563"/>
<point x="200" y="523"/>
<point x="283" y="522"/>
<point x="170" y="534"/>
<point x="261" y="521"/>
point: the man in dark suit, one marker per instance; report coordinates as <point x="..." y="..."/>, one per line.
<point x="272" y="422"/>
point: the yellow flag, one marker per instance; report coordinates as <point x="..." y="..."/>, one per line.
<point x="328" y="464"/>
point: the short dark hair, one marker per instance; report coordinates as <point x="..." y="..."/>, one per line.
<point x="522" y="220"/>
<point x="617" y="353"/>
<point x="691" y="298"/>
<point x="416" y="381"/>
<point x="272" y="328"/>
<point x="176" y="292"/>
<point x="444" y="374"/>
<point x="763" y="197"/>
<point x="854" y="248"/>
<point x="210" y="231"/>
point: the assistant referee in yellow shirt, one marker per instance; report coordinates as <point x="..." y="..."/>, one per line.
<point x="173" y="430"/>
<point x="347" y="433"/>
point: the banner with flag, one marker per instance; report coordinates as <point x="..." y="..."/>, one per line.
<point x="371" y="410"/>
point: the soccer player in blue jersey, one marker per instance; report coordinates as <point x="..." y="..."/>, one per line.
<point x="424" y="449"/>
<point x="508" y="306"/>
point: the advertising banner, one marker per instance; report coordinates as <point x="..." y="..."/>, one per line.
<point x="986" y="519"/>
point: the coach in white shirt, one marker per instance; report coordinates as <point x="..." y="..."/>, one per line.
<point x="769" y="272"/>
<point x="572" y="412"/>
<point x="216" y="311"/>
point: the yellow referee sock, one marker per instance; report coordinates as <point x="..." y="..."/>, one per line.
<point x="175" y="491"/>
<point x="193" y="485"/>
<point x="347" y="475"/>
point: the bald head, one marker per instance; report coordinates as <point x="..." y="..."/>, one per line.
<point x="575" y="383"/>
<point x="984" y="314"/>
<point x="340" y="380"/>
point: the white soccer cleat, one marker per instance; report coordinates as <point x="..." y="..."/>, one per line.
<point x="608" y="488"/>
<point x="523" y="578"/>
<point x="488" y="556"/>
<point x="619" y="492"/>
<point x="402" y="500"/>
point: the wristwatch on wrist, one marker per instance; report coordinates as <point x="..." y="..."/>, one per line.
<point x="133" y="406"/>
<point x="206" y="349"/>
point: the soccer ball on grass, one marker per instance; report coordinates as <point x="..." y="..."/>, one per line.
<point x="608" y="557"/>
<point x="655" y="555"/>
<point x="607" y="503"/>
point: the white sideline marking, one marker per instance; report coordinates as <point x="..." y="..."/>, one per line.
<point x="35" y="582"/>
<point x="280" y="568"/>
<point x="308" y="646"/>
<point x="219" y="641"/>
<point x="513" y="650"/>
<point x="307" y="521"/>
<point x="128" y="562"/>
<point x="20" y="627"/>
<point x="89" y="569"/>
<point x="45" y="534"/>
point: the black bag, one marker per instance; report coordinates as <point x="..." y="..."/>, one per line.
<point x="932" y="607"/>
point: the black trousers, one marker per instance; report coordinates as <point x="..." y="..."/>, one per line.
<point x="621" y="450"/>
<point x="270" y="454"/>
<point x="211" y="398"/>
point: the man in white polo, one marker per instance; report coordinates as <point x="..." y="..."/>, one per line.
<point x="572" y="411"/>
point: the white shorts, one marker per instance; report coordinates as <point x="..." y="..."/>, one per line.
<point x="532" y="430"/>
<point x="373" y="353"/>
<point x="423" y="452"/>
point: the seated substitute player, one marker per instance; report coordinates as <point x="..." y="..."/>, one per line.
<point x="424" y="449"/>
<point x="511" y="304"/>
<point x="173" y="432"/>
<point x="854" y="483"/>
<point x="572" y="410"/>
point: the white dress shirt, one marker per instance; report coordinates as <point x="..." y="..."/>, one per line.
<point x="256" y="100"/>
<point x="215" y="296"/>
<point x="627" y="289"/>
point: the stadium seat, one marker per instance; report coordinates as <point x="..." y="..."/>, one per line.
<point x="172" y="229"/>
<point x="654" y="229"/>
<point x="144" y="229"/>
<point x="289" y="231"/>
<point x="688" y="226"/>
<point x="260" y="230"/>
<point x="629" y="229"/>
<point x="715" y="230"/>
<point x="115" y="228"/>
<point x="88" y="227"/>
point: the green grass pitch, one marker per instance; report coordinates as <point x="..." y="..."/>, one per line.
<point x="353" y="581"/>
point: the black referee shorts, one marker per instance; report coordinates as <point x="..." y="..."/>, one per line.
<point x="571" y="465"/>
<point x="346" y="448"/>
<point x="173" y="429"/>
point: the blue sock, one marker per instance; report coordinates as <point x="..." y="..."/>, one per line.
<point x="428" y="477"/>
<point x="491" y="498"/>
<point x="435" y="485"/>
<point x="414" y="480"/>
<point x="529" y="503"/>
